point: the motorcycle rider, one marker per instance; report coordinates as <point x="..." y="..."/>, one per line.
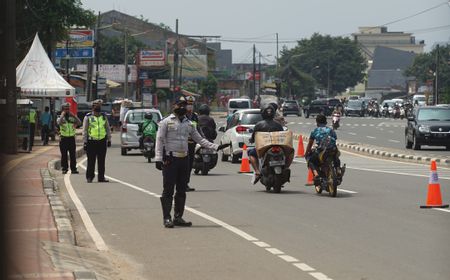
<point x="206" y="125"/>
<point x="268" y="124"/>
<point x="325" y="138"/>
<point x="148" y="129"/>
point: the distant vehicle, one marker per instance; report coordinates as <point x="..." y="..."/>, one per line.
<point x="333" y="102"/>
<point x="354" y="108"/>
<point x="238" y="132"/>
<point x="291" y="107"/>
<point x="319" y="106"/>
<point x="428" y="126"/>
<point x="353" y="97"/>
<point x="420" y="98"/>
<point x="238" y="104"/>
<point x="390" y="110"/>
<point x="129" y="138"/>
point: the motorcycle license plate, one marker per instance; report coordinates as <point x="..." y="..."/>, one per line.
<point x="206" y="158"/>
<point x="276" y="163"/>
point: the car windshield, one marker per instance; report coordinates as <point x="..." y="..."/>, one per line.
<point x="419" y="98"/>
<point x="136" y="117"/>
<point x="333" y="102"/>
<point x="290" y="102"/>
<point x="251" y="118"/>
<point x="354" y="104"/>
<point x="431" y="114"/>
<point x="239" y="104"/>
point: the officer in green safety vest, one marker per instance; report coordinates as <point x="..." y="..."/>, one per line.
<point x="96" y="137"/>
<point x="32" y="116"/>
<point x="68" y="123"/>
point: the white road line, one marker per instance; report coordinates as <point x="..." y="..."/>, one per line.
<point x="352" y="133"/>
<point x="364" y="124"/>
<point x="300" y="123"/>
<point x="372" y="124"/>
<point x="291" y="123"/>
<point x="346" y="191"/>
<point x="394" y="141"/>
<point x="303" y="267"/>
<point x="371" y="137"/>
<point x="356" y="124"/>
<point x="441" y="209"/>
<point x="319" y="276"/>
<point x="231" y="228"/>
<point x="348" y="124"/>
<point x="96" y="237"/>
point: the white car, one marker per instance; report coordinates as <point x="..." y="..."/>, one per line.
<point x="129" y="138"/>
<point x="235" y="104"/>
<point x="238" y="132"/>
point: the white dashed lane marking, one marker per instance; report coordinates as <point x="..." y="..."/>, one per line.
<point x="370" y="137"/>
<point x="352" y="133"/>
<point x="394" y="141"/>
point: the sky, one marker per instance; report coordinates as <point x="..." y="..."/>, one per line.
<point x="258" y="21"/>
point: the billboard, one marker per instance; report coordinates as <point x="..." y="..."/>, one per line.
<point x="152" y="58"/>
<point x="114" y="72"/>
<point x="78" y="39"/>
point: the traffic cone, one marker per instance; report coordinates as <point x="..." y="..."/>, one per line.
<point x="300" y="148"/>
<point x="310" y="180"/>
<point x="434" y="199"/>
<point x="245" y="164"/>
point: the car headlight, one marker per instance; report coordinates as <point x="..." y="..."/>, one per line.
<point x="424" y="129"/>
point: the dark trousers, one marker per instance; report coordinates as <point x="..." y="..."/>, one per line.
<point x="32" y="131"/>
<point x="96" y="150"/>
<point x="175" y="174"/>
<point x="191" y="154"/>
<point x="67" y="144"/>
<point x="44" y="133"/>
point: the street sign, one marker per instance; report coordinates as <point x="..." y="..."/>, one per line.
<point x="152" y="58"/>
<point x="101" y="83"/>
<point x="162" y="83"/>
<point x="78" y="39"/>
<point x="75" y="53"/>
<point x="148" y="82"/>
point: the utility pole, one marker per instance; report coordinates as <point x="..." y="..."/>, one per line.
<point x="254" y="71"/>
<point x="175" y="58"/>
<point x="436" y="101"/>
<point x="328" y="76"/>
<point x="97" y="47"/>
<point x="126" y="62"/>
<point x="260" y="75"/>
<point x="277" y="54"/>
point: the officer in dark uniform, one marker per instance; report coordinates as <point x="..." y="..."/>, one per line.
<point x="193" y="117"/>
<point x="172" y="158"/>
<point x="96" y="137"/>
<point x="68" y="123"/>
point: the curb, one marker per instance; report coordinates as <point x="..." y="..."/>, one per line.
<point x="60" y="212"/>
<point x="360" y="149"/>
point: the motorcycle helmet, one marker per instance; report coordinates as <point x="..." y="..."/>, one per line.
<point x="148" y="116"/>
<point x="204" y="109"/>
<point x="268" y="112"/>
<point x="274" y="105"/>
<point x="321" y="119"/>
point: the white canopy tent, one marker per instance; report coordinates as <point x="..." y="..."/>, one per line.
<point x="37" y="77"/>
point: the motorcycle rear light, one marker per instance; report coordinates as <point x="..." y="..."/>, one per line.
<point x="241" y="129"/>
<point x="276" y="149"/>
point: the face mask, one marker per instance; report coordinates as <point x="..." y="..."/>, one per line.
<point x="97" y="109"/>
<point x="180" y="111"/>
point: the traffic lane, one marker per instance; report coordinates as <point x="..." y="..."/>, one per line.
<point x="130" y="223"/>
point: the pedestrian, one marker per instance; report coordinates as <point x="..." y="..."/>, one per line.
<point x="46" y="122"/>
<point x="193" y="117"/>
<point x="68" y="123"/>
<point x="96" y="139"/>
<point x="172" y="158"/>
<point x="32" y="116"/>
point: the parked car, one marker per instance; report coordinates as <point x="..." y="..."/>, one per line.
<point x="238" y="104"/>
<point x="238" y="132"/>
<point x="129" y="138"/>
<point x="319" y="106"/>
<point x="428" y="126"/>
<point x="354" y="108"/>
<point x="420" y="99"/>
<point x="291" y="107"/>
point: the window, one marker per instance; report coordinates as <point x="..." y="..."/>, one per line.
<point x="251" y="118"/>
<point x="239" y="104"/>
<point x="234" y="121"/>
<point x="434" y="115"/>
<point x="136" y="117"/>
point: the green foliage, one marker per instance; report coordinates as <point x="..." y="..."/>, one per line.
<point x="329" y="61"/>
<point x="424" y="67"/>
<point x="51" y="18"/>
<point x="209" y="87"/>
<point x="112" y="49"/>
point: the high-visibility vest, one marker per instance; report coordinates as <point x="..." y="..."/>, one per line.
<point x="97" y="127"/>
<point x="32" y="116"/>
<point x="66" y="129"/>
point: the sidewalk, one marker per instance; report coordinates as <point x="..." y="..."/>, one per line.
<point x="30" y="220"/>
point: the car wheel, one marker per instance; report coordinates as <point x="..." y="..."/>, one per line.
<point x="123" y="151"/>
<point x="415" y="144"/>
<point x="408" y="144"/>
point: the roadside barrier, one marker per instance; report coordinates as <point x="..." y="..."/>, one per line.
<point x="300" y="148"/>
<point x="245" y="164"/>
<point x="310" y="179"/>
<point x="434" y="198"/>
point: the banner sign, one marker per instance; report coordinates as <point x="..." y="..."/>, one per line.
<point x="75" y="53"/>
<point x="78" y="39"/>
<point x="162" y="83"/>
<point x="152" y="58"/>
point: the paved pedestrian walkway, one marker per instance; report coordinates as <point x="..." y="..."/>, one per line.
<point x="30" y="220"/>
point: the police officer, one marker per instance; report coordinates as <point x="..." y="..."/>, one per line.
<point x="96" y="137"/>
<point x="68" y="123"/>
<point x="172" y="158"/>
<point x="193" y="117"/>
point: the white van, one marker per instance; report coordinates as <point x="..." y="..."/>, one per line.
<point x="421" y="99"/>
<point x="238" y="104"/>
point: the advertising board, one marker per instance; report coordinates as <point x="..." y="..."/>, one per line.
<point x="152" y="58"/>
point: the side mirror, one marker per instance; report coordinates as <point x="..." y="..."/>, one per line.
<point x="222" y="129"/>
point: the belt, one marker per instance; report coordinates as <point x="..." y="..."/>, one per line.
<point x="178" y="154"/>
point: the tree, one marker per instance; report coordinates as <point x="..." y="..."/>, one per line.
<point x="209" y="87"/>
<point x="335" y="63"/>
<point x="51" y="18"/>
<point x="424" y="68"/>
<point x="112" y="49"/>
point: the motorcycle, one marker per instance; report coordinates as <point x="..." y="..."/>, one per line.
<point x="274" y="172"/>
<point x="204" y="160"/>
<point x="335" y="121"/>
<point x="329" y="178"/>
<point x="376" y="112"/>
<point x="402" y="113"/>
<point x="148" y="148"/>
<point x="396" y="112"/>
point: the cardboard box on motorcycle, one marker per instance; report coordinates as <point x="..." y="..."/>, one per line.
<point x="264" y="140"/>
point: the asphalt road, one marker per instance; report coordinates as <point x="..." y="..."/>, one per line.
<point x="374" y="229"/>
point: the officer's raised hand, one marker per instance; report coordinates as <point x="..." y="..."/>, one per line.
<point x="223" y="146"/>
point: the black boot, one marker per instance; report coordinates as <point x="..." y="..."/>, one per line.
<point x="179" y="210"/>
<point x="166" y="205"/>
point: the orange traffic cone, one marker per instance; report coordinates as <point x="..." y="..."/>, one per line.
<point x="434" y="199"/>
<point x="245" y="164"/>
<point x="300" y="148"/>
<point x="310" y="180"/>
